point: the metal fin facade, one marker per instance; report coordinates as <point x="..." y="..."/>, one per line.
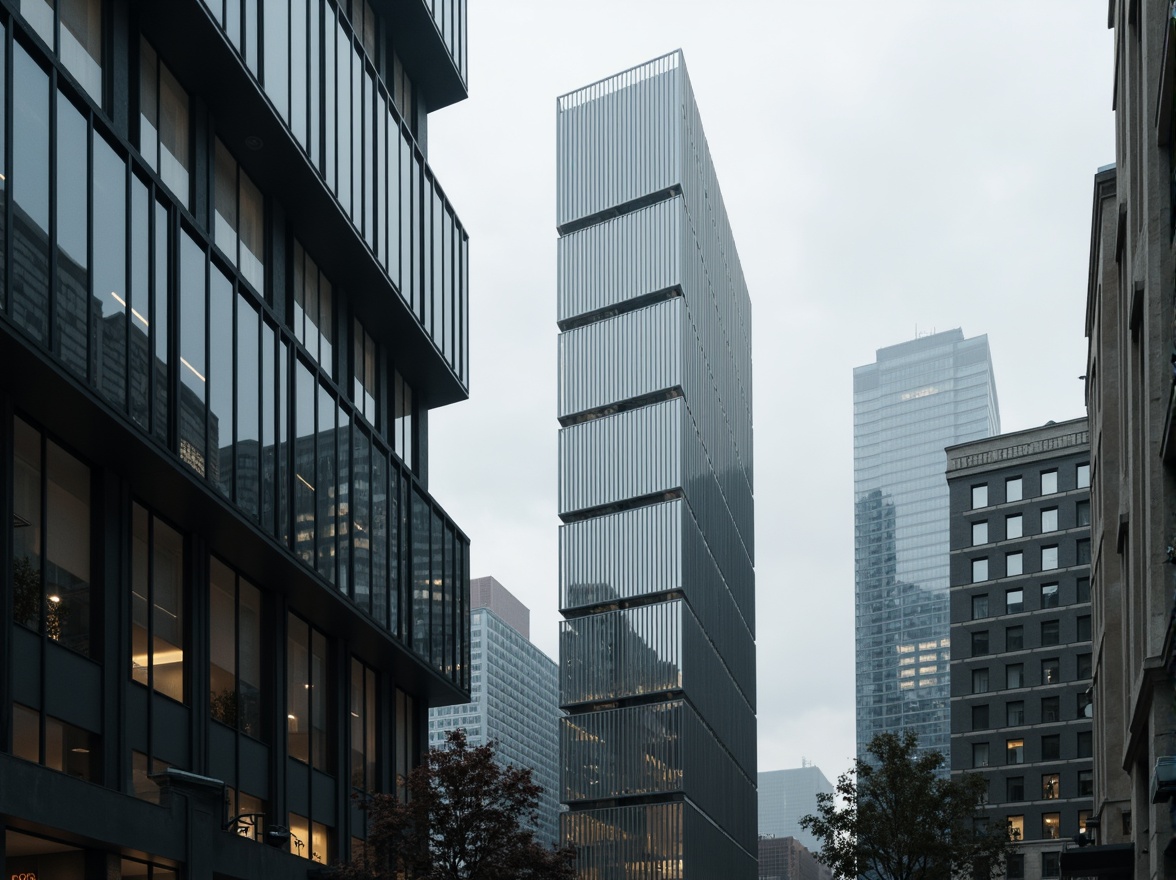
<point x="657" y="582"/>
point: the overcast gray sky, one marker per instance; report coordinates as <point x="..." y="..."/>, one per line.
<point x="887" y="167"/>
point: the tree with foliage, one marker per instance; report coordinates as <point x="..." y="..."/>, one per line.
<point x="899" y="820"/>
<point x="464" y="819"/>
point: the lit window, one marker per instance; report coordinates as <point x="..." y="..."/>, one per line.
<point x="1015" y="751"/>
<point x="157" y="605"/>
<point x="1049" y="482"/>
<point x="1049" y="520"/>
<point x="1014" y="526"/>
<point x="1050" y="783"/>
<point x="979" y="533"/>
<point x="1051" y="826"/>
<point x="1016" y="828"/>
<point x="980" y="496"/>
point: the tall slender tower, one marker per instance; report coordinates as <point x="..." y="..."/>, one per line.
<point x="657" y="587"/>
<point x="917" y="398"/>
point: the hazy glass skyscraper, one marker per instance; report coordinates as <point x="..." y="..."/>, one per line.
<point x="916" y="399"/>
<point x="657" y="585"/>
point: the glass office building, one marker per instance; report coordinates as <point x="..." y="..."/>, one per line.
<point x="514" y="697"/>
<point x="231" y="291"/>
<point x="657" y="651"/>
<point x="917" y="398"/>
<point x="785" y="797"/>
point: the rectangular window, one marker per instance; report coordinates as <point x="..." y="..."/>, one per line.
<point x="1083" y="476"/>
<point x="1013" y="489"/>
<point x="1014" y="526"/>
<point x="1082" y="513"/>
<point x="1014" y="638"/>
<point x="979" y="754"/>
<point x="51" y="537"/>
<point x="1015" y="788"/>
<point x="1051" y="865"/>
<point x="1085" y="783"/>
<point x="1049" y="710"/>
<point x="1082" y="548"/>
<point x="1050" y="785"/>
<point x="1049" y="482"/>
<point x="314" y="322"/>
<point x="1049" y="558"/>
<point x="364" y="712"/>
<point x="164" y="126"/>
<point x="1085" y="742"/>
<point x="1049" y="520"/>
<point x="1014" y="564"/>
<point x="1051" y="671"/>
<point x="1084" y="666"/>
<point x="1051" y="631"/>
<point x="980" y="496"/>
<point x="1084" y="628"/>
<point x="979" y="607"/>
<point x="979" y="642"/>
<point x="1014" y="713"/>
<point x="79" y="45"/>
<point x="980" y="717"/>
<point x="979" y="533"/>
<point x="366" y="370"/>
<point x="402" y="426"/>
<point x="1014" y="600"/>
<point x="1015" y="862"/>
<point x="307" y="686"/>
<point x="1049" y="595"/>
<point x="1015" y="675"/>
<point x="979" y="570"/>
<point x="239" y="219"/>
<point x="235" y="650"/>
<point x="1015" y="751"/>
<point x="979" y="681"/>
<point x="1084" y="705"/>
<point x="157" y="605"/>
<point x="1051" y="826"/>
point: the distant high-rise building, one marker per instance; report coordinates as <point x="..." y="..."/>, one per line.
<point x="655" y="491"/>
<point x="785" y="796"/>
<point x="1020" y="633"/>
<point x="917" y="398"/>
<point x="514" y="694"/>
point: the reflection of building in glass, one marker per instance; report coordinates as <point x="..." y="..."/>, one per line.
<point x="514" y="695"/>
<point x="1021" y="633"/>
<point x="786" y="858"/>
<point x="785" y="797"/>
<point x="915" y="399"/>
<point x="656" y="558"/>
<point x="233" y="598"/>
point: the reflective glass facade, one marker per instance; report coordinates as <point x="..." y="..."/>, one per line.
<point x="917" y="398"/>
<point x="657" y="650"/>
<point x="785" y="796"/>
<point x="231" y="588"/>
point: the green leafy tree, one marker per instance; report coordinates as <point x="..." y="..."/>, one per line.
<point x="894" y="818"/>
<point x="465" y="819"/>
